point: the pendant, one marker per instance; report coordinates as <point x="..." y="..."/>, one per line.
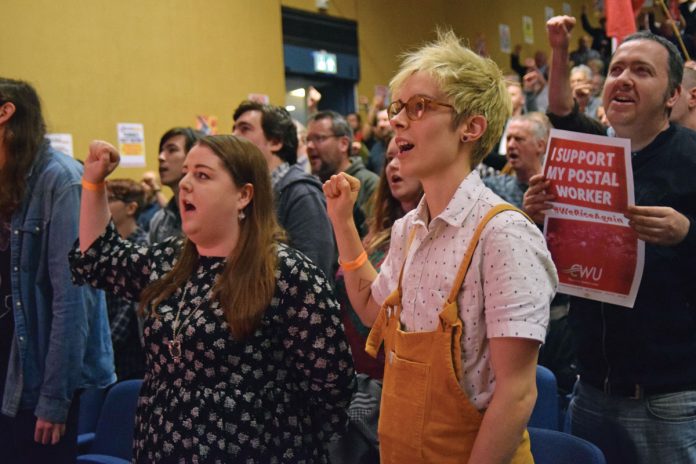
<point x="175" y="349"/>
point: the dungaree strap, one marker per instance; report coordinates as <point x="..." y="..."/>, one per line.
<point x="411" y="236"/>
<point x="450" y="314"/>
<point x="391" y="304"/>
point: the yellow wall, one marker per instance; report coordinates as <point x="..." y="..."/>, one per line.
<point x="387" y="28"/>
<point x="96" y="63"/>
<point x="483" y="17"/>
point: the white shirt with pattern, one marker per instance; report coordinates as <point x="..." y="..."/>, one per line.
<point x="506" y="292"/>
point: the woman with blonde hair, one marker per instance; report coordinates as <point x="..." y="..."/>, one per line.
<point x="461" y="302"/>
<point x="246" y="356"/>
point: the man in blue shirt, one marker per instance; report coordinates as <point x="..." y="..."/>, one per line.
<point x="56" y="335"/>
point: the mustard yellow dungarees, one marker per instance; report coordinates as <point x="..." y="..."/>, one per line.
<point x="425" y="416"/>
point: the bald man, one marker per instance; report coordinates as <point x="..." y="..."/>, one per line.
<point x="684" y="111"/>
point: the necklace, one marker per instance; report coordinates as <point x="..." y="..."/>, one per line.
<point x="174" y="345"/>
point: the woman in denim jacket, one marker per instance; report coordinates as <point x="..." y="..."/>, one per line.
<point x="54" y="336"/>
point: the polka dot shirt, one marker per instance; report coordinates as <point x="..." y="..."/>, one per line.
<point x="506" y="292"/>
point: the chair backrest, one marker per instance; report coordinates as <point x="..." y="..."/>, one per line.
<point x="91" y="401"/>
<point x="114" y="435"/>
<point x="553" y="447"/>
<point x="545" y="414"/>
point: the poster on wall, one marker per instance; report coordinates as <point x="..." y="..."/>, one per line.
<point x="259" y="98"/>
<point x="505" y="41"/>
<point x="597" y="254"/>
<point x="481" y="45"/>
<point x="207" y="124"/>
<point x="382" y="95"/>
<point x="548" y="13"/>
<point x="567" y="10"/>
<point x="528" y="29"/>
<point x="131" y="144"/>
<point x="62" y="143"/>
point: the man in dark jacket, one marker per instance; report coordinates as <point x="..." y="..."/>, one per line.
<point x="300" y="202"/>
<point x="329" y="138"/>
<point x="173" y="147"/>
<point x="637" y="389"/>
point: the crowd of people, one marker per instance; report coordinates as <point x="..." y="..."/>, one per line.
<point x="296" y="262"/>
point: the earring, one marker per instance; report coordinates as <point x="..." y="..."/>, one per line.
<point x="464" y="138"/>
<point x="241" y="216"/>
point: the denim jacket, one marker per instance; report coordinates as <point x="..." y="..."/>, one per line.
<point x="61" y="340"/>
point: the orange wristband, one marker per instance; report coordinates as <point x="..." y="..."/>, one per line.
<point x="87" y="185"/>
<point x="355" y="264"/>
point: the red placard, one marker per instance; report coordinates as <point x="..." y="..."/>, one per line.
<point x="593" y="255"/>
<point x="587" y="174"/>
<point x="597" y="254"/>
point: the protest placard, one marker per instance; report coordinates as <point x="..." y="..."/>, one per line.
<point x="597" y="254"/>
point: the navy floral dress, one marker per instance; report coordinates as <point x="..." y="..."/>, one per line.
<point x="278" y="396"/>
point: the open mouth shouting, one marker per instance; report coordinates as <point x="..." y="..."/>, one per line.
<point x="395" y="179"/>
<point x="187" y="206"/>
<point x="622" y="99"/>
<point x="404" y="145"/>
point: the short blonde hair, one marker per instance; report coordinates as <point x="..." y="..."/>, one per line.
<point x="474" y="84"/>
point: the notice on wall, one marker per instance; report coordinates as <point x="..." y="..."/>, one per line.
<point x="548" y="13"/>
<point x="597" y="254"/>
<point x="207" y="124"/>
<point x="382" y="94"/>
<point x="131" y="144"/>
<point x="504" y="34"/>
<point x="62" y="143"/>
<point x="261" y="98"/>
<point x="528" y="29"/>
<point x="567" y="10"/>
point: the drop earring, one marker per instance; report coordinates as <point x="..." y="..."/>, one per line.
<point x="241" y="216"/>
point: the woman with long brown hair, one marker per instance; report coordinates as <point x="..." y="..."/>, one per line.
<point x="246" y="356"/>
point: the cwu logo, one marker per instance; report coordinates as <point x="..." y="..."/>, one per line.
<point x="578" y="271"/>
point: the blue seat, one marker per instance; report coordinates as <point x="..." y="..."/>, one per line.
<point x="91" y="401"/>
<point x="545" y="414"/>
<point x="113" y="438"/>
<point x="553" y="447"/>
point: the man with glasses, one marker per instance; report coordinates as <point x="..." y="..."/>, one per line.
<point x="329" y="139"/>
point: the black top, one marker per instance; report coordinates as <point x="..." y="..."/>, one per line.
<point x="278" y="396"/>
<point x="653" y="344"/>
<point x="129" y="356"/>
